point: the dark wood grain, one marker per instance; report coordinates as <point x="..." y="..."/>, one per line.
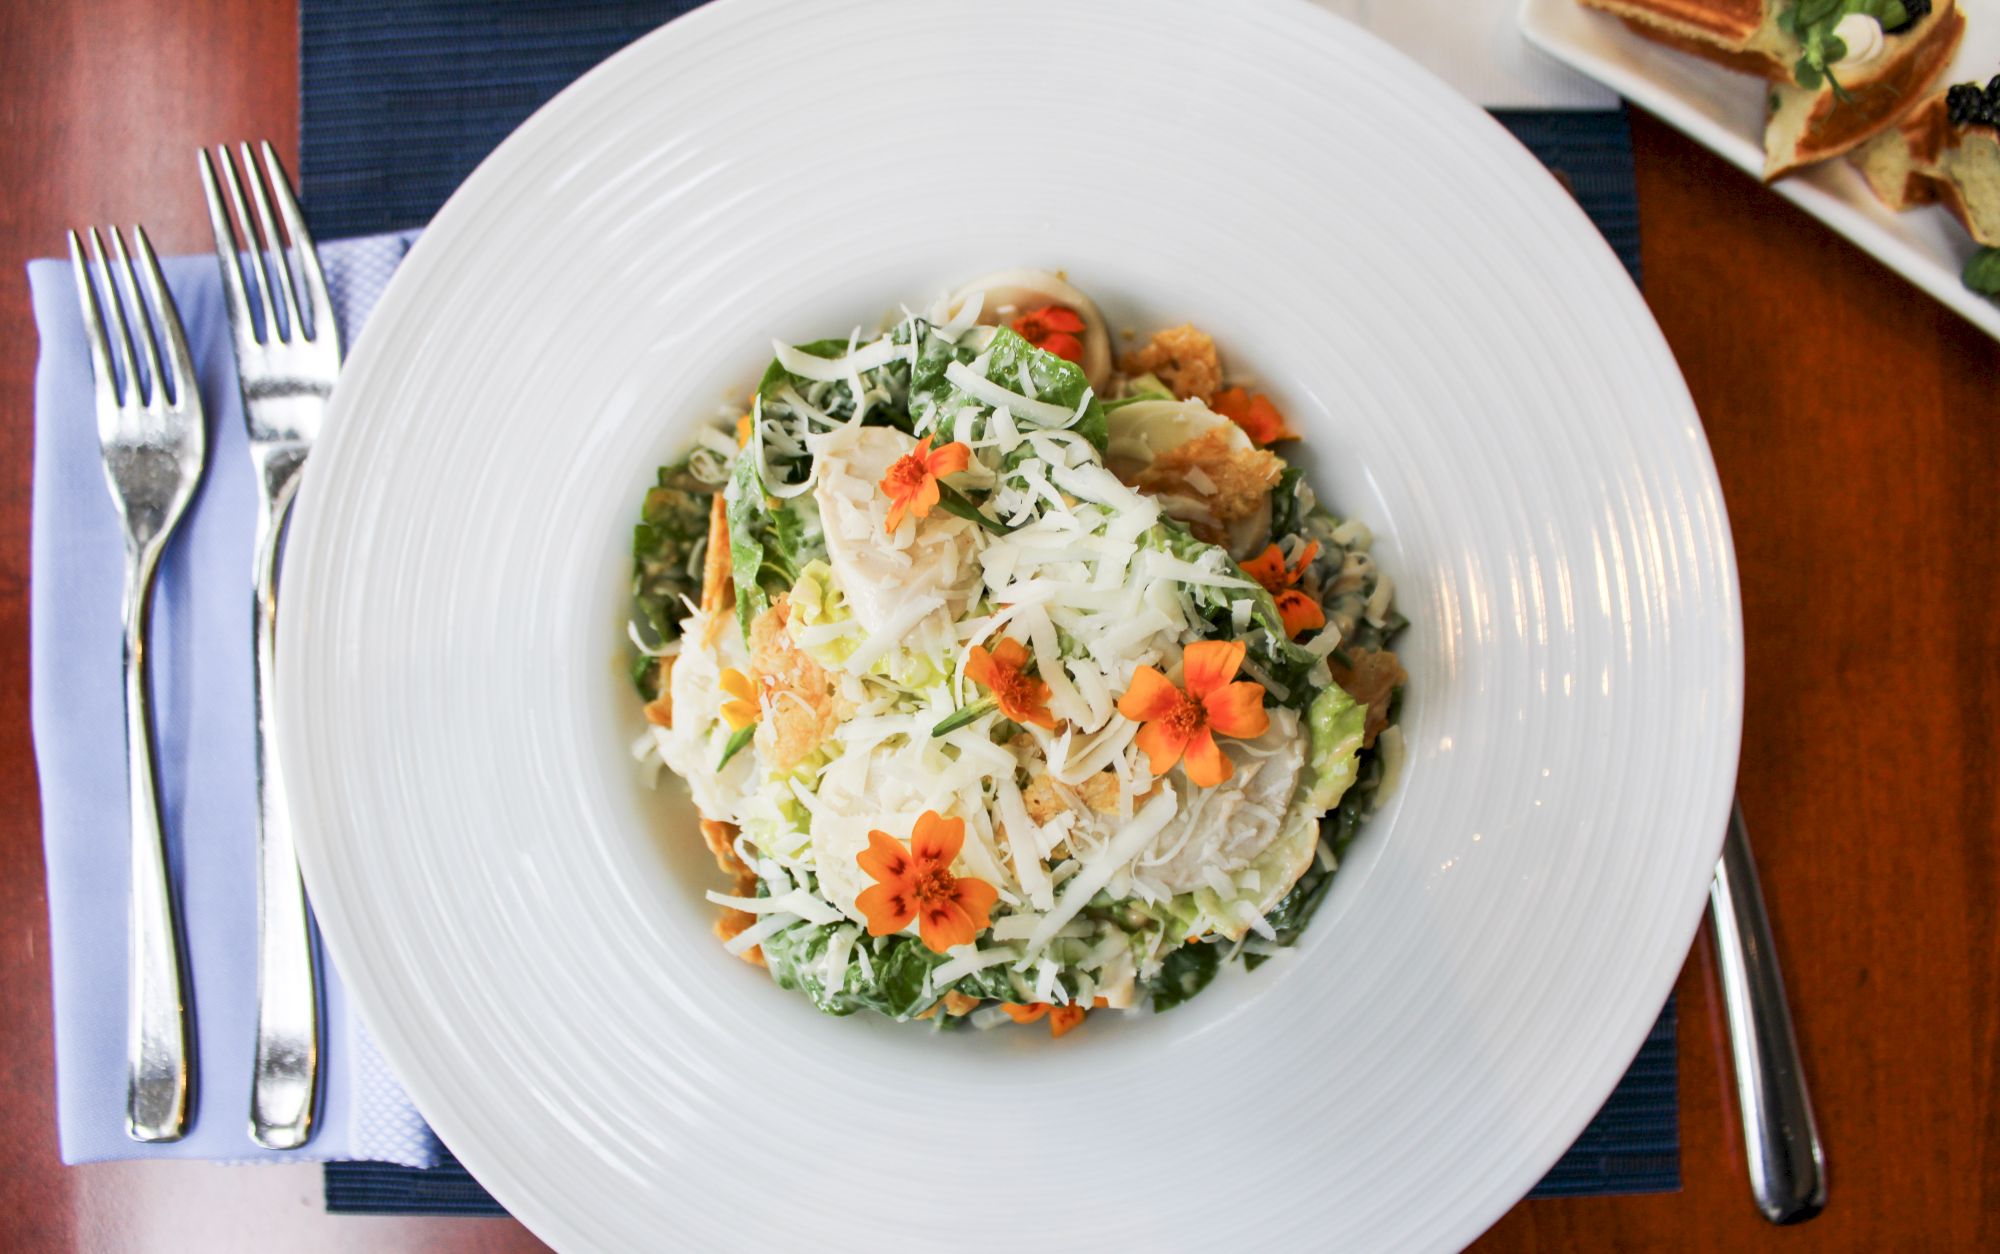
<point x="1857" y="431"/>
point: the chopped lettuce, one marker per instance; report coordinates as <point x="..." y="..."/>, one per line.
<point x="667" y="545"/>
<point x="770" y="541"/>
<point x="1008" y="357"/>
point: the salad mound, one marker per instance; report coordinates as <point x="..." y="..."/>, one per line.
<point x="1011" y="681"/>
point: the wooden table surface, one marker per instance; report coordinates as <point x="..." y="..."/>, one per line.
<point x="1857" y="431"/>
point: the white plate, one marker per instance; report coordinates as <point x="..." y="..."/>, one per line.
<point x="1725" y="112"/>
<point x="520" y="919"/>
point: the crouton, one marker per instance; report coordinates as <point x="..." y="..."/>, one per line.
<point x="718" y="592"/>
<point x="720" y="838"/>
<point x="660" y="710"/>
<point x="1182" y="358"/>
<point x="1239" y="481"/>
<point x="795" y="691"/>
<point x="1372" y="680"/>
<point x="1099" y="792"/>
<point x="953" y="1003"/>
<point x="734" y="921"/>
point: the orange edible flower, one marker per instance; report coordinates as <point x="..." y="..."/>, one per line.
<point x="1299" y="611"/>
<point x="1061" y="1018"/>
<point x="1004" y="673"/>
<point x="911" y="484"/>
<point x="1258" y="417"/>
<point x="917" y="883"/>
<point x="1184" y="724"/>
<point x="742" y="710"/>
<point x="1053" y="329"/>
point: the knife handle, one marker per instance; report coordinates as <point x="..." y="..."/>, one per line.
<point x="1780" y="1138"/>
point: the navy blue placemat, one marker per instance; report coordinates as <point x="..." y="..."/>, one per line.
<point x="402" y="98"/>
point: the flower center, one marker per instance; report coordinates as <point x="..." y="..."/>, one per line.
<point x="907" y="475"/>
<point x="934" y="887"/>
<point x="1186" y="718"/>
<point x="1011" y="686"/>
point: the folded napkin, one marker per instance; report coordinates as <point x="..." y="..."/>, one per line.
<point x="205" y="757"/>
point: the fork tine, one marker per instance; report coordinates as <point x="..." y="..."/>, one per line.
<point x="121" y="343"/>
<point x="228" y="254"/>
<point x="156" y="391"/>
<point x="274" y="241"/>
<point x="308" y="259"/>
<point x="258" y="268"/>
<point x="180" y="363"/>
<point x="93" y="327"/>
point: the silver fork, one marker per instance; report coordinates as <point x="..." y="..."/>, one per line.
<point x="154" y="440"/>
<point x="287" y="365"/>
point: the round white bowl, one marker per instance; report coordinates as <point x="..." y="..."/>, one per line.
<point x="519" y="917"/>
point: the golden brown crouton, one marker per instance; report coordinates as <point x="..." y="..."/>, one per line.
<point x="720" y="838"/>
<point x="1183" y="358"/>
<point x="718" y="593"/>
<point x="1239" y="480"/>
<point x="660" y="710"/>
<point x="733" y="920"/>
<point x="794" y="690"/>
<point x="1099" y="792"/>
<point x="1372" y="680"/>
<point x="953" y="1003"/>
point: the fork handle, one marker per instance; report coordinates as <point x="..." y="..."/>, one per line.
<point x="158" y="1049"/>
<point x="284" y="1085"/>
<point x="1780" y="1138"/>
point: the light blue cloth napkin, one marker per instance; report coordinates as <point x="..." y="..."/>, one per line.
<point x="205" y="763"/>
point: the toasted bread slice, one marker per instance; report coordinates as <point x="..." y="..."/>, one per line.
<point x="1741" y="35"/>
<point x="1925" y="158"/>
<point x="1807" y="125"/>
<point x="1895" y="173"/>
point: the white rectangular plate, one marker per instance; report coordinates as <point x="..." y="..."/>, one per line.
<point x="1725" y="111"/>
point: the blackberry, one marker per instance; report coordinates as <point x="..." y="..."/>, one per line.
<point x="1914" y="9"/>
<point x="1968" y="105"/>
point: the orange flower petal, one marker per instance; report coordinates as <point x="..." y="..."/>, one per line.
<point x="897" y="506"/>
<point x="1011" y="653"/>
<point x="885" y="860"/>
<point x="1152" y="695"/>
<point x="976" y="897"/>
<point x="1208" y="664"/>
<point x="1161" y="745"/>
<point x="1025" y="1014"/>
<point x="1306" y="556"/>
<point x="925" y="499"/>
<point x="1299" y="612"/>
<point x="981" y="667"/>
<point x="1231" y="403"/>
<point x="936" y="840"/>
<point x="1061" y="318"/>
<point x="1035" y="712"/>
<point x="1265" y="424"/>
<point x="1237" y="710"/>
<point x="1063" y="1018"/>
<point x="1268" y="568"/>
<point x="1067" y="347"/>
<point x="1205" y="764"/>
<point x="887" y="910"/>
<point x="945" y="925"/>
<point x="737" y="684"/>
<point x="950" y="460"/>
<point x="740" y="714"/>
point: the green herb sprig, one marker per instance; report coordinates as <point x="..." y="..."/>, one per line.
<point x="1811" y="22"/>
